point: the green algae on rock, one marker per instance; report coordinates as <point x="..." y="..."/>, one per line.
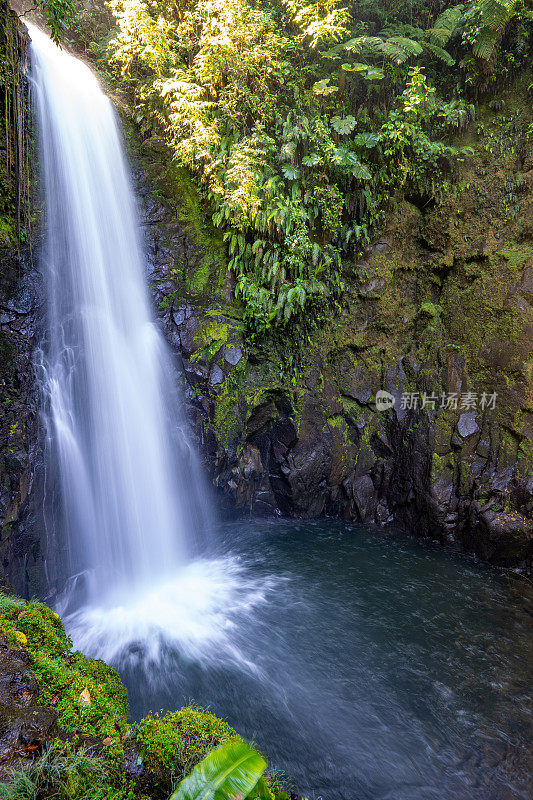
<point x="87" y="695"/>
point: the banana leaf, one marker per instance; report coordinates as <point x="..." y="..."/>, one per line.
<point x="228" y="773"/>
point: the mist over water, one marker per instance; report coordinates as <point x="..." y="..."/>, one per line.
<point x="366" y="667"/>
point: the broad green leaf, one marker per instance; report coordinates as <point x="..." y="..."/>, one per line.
<point x="366" y="139"/>
<point x="374" y="74"/>
<point x="311" y="160"/>
<point x="356" y="67"/>
<point x="323" y="87"/>
<point x="292" y="173"/>
<point x="343" y="125"/>
<point x="361" y="172"/>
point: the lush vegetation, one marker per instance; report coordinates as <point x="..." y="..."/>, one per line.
<point x="232" y="770"/>
<point x="91" y="705"/>
<point x="301" y="120"/>
<point x="173" y="743"/>
<point x="57" y="15"/>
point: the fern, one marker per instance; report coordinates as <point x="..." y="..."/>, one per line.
<point x="495" y="14"/>
<point x="440" y="53"/>
<point x="408" y="31"/>
<point x="446" y="25"/>
<point x="409" y="46"/>
<point x="398" y="43"/>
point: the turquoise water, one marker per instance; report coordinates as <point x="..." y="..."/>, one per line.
<point x="364" y="665"/>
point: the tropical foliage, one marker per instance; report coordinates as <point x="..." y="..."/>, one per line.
<point x="232" y="770"/>
<point x="57" y="14"/>
<point x="302" y="119"/>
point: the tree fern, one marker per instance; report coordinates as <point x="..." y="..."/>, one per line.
<point x="397" y="43"/>
<point x="409" y="46"/>
<point x="397" y="29"/>
<point x="446" y="25"/>
<point x="494" y="16"/>
<point x="440" y="53"/>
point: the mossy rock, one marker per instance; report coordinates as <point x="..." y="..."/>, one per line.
<point x="88" y="695"/>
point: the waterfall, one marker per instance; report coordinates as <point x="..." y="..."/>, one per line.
<point x="130" y="496"/>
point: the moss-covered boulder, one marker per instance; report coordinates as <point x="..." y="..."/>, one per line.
<point x="87" y="696"/>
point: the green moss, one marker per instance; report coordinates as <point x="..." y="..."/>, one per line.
<point x="174" y="743"/>
<point x="180" y="189"/>
<point x="87" y="694"/>
<point x="517" y="255"/>
<point x="7" y="231"/>
<point x="465" y="481"/>
<point x="430" y="309"/>
<point x="199" y="279"/>
<point x="438" y="465"/>
<point x="210" y="338"/>
<point x="525" y="458"/>
<point x="444" y="425"/>
<point x="227" y="420"/>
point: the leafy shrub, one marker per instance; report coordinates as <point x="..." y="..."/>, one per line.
<point x="175" y="742"/>
<point x="301" y="120"/>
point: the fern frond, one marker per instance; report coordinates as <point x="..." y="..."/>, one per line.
<point x="440" y="53"/>
<point x="402" y="30"/>
<point x="495" y="14"/>
<point x="411" y="47"/>
<point x="367" y="44"/>
<point x="446" y="25"/>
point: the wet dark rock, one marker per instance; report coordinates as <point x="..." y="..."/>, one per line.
<point x="232" y="355"/>
<point x="503" y="538"/>
<point x="19" y="421"/>
<point x="216" y="376"/>
<point x="467" y="425"/>
<point x="25" y="728"/>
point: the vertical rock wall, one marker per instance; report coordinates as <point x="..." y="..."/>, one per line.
<point x="19" y="310"/>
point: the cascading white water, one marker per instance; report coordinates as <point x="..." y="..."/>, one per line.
<point x="129" y="482"/>
<point x="125" y="566"/>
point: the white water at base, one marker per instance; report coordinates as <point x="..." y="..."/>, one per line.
<point x="130" y="489"/>
<point x="196" y="613"/>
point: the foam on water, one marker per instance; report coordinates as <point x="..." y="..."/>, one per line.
<point x="195" y="613"/>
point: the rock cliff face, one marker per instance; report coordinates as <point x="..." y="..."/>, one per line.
<point x="19" y="313"/>
<point x="437" y="314"/>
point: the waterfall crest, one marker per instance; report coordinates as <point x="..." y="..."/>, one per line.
<point x="130" y="489"/>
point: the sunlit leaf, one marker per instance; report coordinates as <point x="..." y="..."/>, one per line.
<point x="323" y="88"/>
